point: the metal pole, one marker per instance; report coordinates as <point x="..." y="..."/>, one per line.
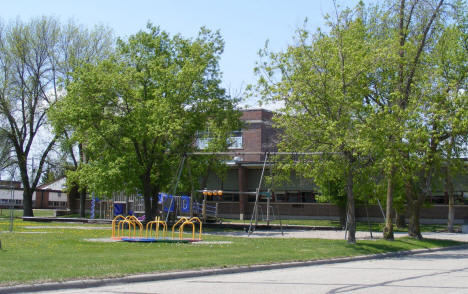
<point x="191" y="187"/>
<point x="12" y="200"/>
<point x="383" y="214"/>
<point x="257" y="192"/>
<point x="204" y="208"/>
<point x="268" y="209"/>
<point x="179" y="173"/>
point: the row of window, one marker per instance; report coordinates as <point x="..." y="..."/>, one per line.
<point x="57" y="204"/>
<point x="234" y="142"/>
<point x="296" y="197"/>
<point x="8" y="201"/>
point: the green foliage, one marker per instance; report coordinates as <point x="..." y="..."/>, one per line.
<point x="137" y="112"/>
<point x="381" y="94"/>
<point x="322" y="81"/>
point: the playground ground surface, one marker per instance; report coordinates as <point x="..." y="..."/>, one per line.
<point x="47" y="252"/>
<point x="360" y="225"/>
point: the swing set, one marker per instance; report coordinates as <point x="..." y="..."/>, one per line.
<point x="119" y="221"/>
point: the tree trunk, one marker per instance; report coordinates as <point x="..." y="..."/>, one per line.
<point x="451" y="200"/>
<point x="83" y="191"/>
<point x="150" y="196"/>
<point x="400" y="219"/>
<point x="342" y="211"/>
<point x="83" y="203"/>
<point x="451" y="214"/>
<point x="414" y="230"/>
<point x="414" y="206"/>
<point x="350" y="208"/>
<point x="388" y="230"/>
<point x="27" y="202"/>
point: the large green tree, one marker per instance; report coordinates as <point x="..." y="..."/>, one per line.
<point x="447" y="105"/>
<point x="139" y="111"/>
<point x="322" y="81"/>
<point x="384" y="87"/>
<point x="406" y="100"/>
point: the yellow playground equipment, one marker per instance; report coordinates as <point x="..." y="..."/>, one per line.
<point x="116" y="234"/>
<point x="183" y="222"/>
<point x="180" y="221"/>
<point x="118" y="226"/>
<point x="156" y="222"/>
<point x="132" y="222"/>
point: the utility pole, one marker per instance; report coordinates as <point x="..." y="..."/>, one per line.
<point x="12" y="199"/>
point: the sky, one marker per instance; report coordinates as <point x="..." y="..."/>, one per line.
<point x="244" y="24"/>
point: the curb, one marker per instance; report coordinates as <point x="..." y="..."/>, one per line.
<point x="80" y="284"/>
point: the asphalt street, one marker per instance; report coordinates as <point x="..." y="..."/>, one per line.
<point x="433" y="272"/>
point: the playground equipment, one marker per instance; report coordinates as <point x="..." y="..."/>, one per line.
<point x="116" y="234"/>
<point x="132" y="222"/>
<point x="119" y="222"/>
<point x="156" y="222"/>
<point x="193" y="220"/>
<point x="182" y="222"/>
<point x="118" y="226"/>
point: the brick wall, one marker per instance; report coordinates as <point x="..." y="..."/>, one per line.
<point x="258" y="134"/>
<point x="324" y="210"/>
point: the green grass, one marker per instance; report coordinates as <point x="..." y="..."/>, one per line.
<point x="5" y="213"/>
<point x="360" y="226"/>
<point x="63" y="254"/>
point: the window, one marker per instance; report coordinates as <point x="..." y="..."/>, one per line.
<point x="235" y="141"/>
<point x="202" y="143"/>
<point x="204" y="138"/>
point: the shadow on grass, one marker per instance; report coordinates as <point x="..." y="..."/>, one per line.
<point x="402" y="244"/>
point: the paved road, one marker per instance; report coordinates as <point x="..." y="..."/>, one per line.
<point x="436" y="272"/>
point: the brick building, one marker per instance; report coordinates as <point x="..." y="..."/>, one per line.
<point x="297" y="197"/>
<point x="244" y="170"/>
<point x="51" y="195"/>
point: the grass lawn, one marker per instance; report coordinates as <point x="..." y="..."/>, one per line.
<point x="360" y="226"/>
<point x="57" y="254"/>
<point x="5" y="212"/>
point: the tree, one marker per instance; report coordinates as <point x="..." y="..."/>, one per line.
<point x="79" y="46"/>
<point x="403" y="93"/>
<point x="137" y="112"/>
<point x="449" y="113"/>
<point x="385" y="88"/>
<point x="322" y="82"/>
<point x="35" y="63"/>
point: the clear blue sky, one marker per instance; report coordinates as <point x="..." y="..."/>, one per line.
<point x="244" y="24"/>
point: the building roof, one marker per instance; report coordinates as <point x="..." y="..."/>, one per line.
<point x="57" y="185"/>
